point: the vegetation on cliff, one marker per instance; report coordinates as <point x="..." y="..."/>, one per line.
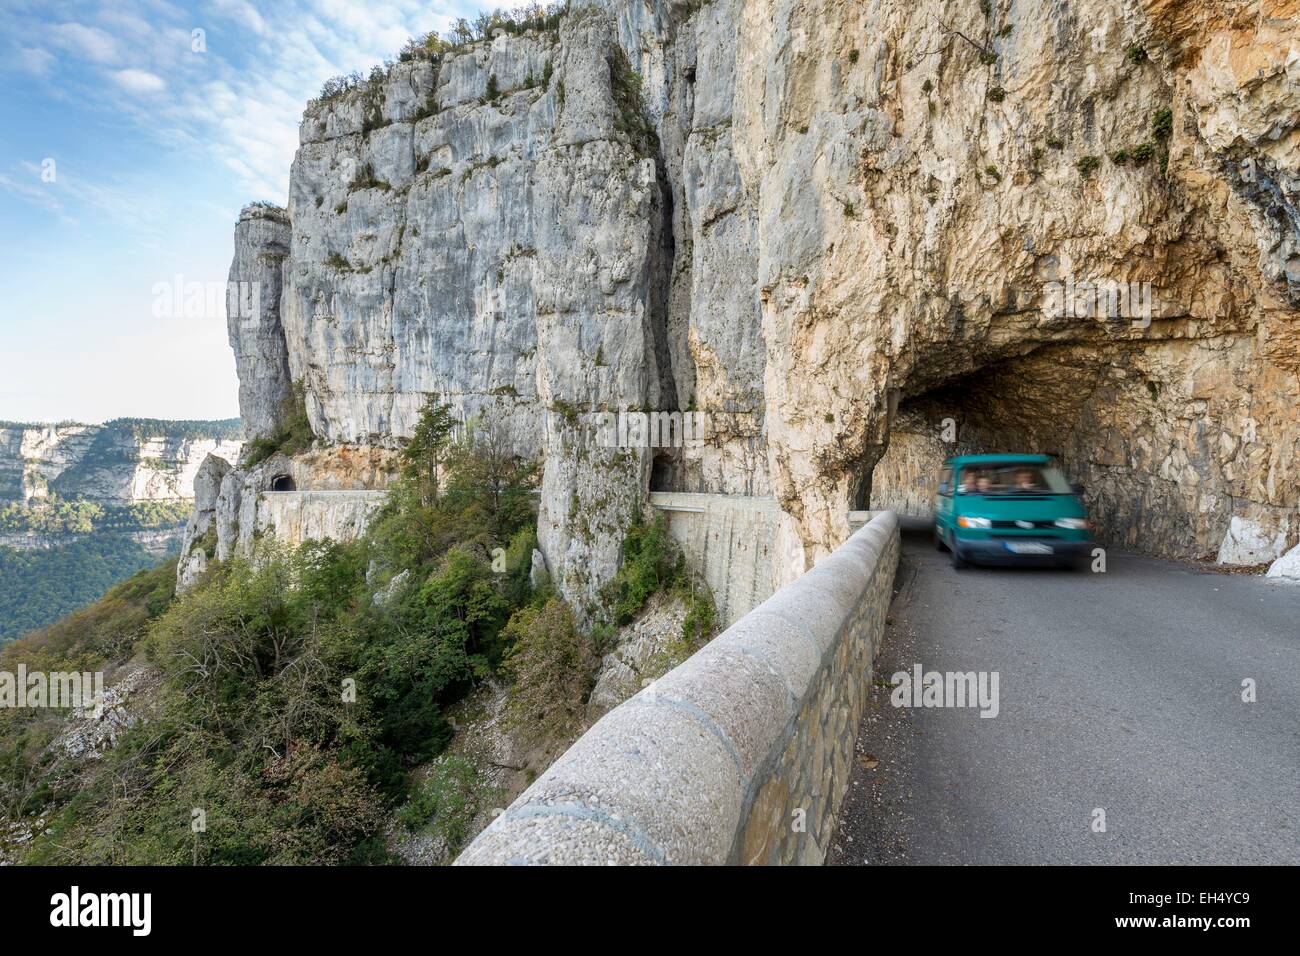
<point x="90" y="549"/>
<point x="432" y="46"/>
<point x="55" y="515"/>
<point x="223" y="429"/>
<point x="298" y="703"/>
<point x="295" y="434"/>
<point x="298" y="690"/>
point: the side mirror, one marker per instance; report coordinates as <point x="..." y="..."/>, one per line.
<point x="1077" y="489"/>
<point x="943" y="487"/>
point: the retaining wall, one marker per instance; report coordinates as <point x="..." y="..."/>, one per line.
<point x="297" y="516"/>
<point x="740" y="755"/>
<point x="728" y="540"/>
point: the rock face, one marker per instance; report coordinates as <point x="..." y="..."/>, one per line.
<point x="1287" y="567"/>
<point x="122" y="461"/>
<point x="644" y="651"/>
<point x="507" y="253"/>
<point x="834" y="229"/>
<point x="199" y="542"/>
<point x="919" y="194"/>
<point x="253" y="317"/>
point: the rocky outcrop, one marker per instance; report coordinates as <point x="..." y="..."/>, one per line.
<point x="91" y="732"/>
<point x="155" y="541"/>
<point x="847" y="227"/>
<point x="505" y="252"/>
<point x="643" y="651"/>
<point x="925" y="173"/>
<point x="199" y="543"/>
<point x="1286" y="568"/>
<point x="322" y="494"/>
<point x="253" y="318"/>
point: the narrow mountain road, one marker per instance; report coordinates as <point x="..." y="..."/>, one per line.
<point x="1118" y="692"/>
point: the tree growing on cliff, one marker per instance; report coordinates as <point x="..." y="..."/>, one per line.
<point x="552" y="666"/>
<point x="426" y="453"/>
<point x="491" y="485"/>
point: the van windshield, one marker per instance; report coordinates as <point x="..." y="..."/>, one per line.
<point x="1012" y="479"/>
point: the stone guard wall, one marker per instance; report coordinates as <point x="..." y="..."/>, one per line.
<point x="740" y="755"/>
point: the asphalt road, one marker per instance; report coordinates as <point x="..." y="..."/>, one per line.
<point x="1119" y="691"/>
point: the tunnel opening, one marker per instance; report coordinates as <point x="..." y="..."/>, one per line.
<point x="283" y="483"/>
<point x="665" y="471"/>
<point x="1107" y="418"/>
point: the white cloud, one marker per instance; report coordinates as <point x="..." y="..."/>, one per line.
<point x="90" y="42"/>
<point x="138" y="81"/>
<point x="31" y="189"/>
<point x="245" y="13"/>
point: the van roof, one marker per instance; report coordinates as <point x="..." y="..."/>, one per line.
<point x="989" y="459"/>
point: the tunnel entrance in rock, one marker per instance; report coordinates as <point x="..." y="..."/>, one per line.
<point x="665" y="471"/>
<point x="283" y="483"/>
<point x="1102" y="412"/>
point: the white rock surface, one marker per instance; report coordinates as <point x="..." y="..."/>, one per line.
<point x="1247" y="543"/>
<point x="91" y="732"/>
<point x="641" y="655"/>
<point x="1287" y="567"/>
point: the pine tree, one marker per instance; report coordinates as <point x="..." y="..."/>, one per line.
<point x="426" y="452"/>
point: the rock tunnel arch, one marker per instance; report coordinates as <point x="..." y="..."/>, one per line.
<point x="283" y="483"/>
<point x="1151" y="449"/>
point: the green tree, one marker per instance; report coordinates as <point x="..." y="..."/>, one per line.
<point x="491" y="486"/>
<point x="552" y="666"/>
<point x="426" y="453"/>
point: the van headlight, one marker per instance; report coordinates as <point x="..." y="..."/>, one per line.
<point x="1074" y="524"/>
<point x="965" y="522"/>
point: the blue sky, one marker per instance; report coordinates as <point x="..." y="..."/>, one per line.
<point x="130" y="143"/>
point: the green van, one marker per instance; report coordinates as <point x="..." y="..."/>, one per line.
<point x="1009" y="509"/>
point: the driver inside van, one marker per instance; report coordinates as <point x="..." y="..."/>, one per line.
<point x="1026" y="480"/>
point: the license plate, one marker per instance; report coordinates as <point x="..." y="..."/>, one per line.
<point x="1027" y="547"/>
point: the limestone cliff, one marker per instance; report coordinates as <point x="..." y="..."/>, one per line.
<point x="124" y="461"/>
<point x="253" y="318"/>
<point x="925" y="172"/>
<point x="833" y="227"/>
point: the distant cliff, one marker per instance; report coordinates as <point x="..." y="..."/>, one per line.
<point x="123" y="461"/>
<point x="84" y="506"/>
